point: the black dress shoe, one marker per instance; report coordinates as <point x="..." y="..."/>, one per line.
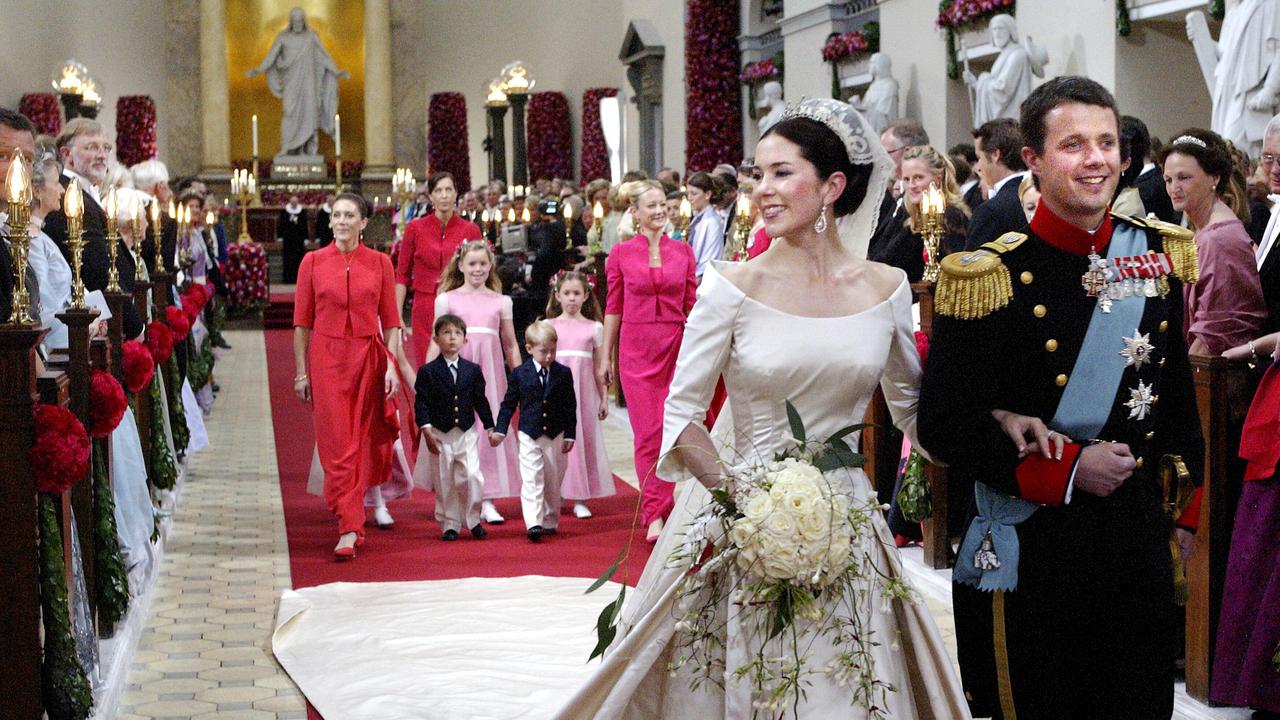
<point x="535" y="533"/>
<point x="449" y="535"/>
<point x="478" y="532"/>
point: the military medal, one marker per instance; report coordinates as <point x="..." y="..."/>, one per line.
<point x="1137" y="350"/>
<point x="1094" y="279"/>
<point x="1140" y="401"/>
<point x="985" y="558"/>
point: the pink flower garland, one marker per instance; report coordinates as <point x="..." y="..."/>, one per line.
<point x="447" y="137"/>
<point x="713" y="123"/>
<point x="245" y="272"/>
<point x="760" y="71"/>
<point x="135" y="129"/>
<point x="595" y="153"/>
<point x="865" y="39"/>
<point x="550" y="138"/>
<point x="959" y="13"/>
<point x="43" y="110"/>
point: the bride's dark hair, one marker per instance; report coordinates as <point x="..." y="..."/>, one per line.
<point x="824" y="149"/>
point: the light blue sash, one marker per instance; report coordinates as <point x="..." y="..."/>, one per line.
<point x="1080" y="416"/>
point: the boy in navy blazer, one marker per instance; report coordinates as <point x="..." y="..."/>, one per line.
<point x="543" y="390"/>
<point x="450" y="394"/>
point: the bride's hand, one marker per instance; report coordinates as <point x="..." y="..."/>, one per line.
<point x="1048" y="443"/>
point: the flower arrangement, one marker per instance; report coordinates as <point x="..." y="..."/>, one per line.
<point x="713" y="121"/>
<point x="162" y="466"/>
<point x="550" y="137"/>
<point x="758" y="72"/>
<point x="138" y="365"/>
<point x="106" y="403"/>
<point x="788" y="546"/>
<point x="193" y="301"/>
<point x="159" y="340"/>
<point x="841" y="46"/>
<point x="956" y="15"/>
<point x="177" y="321"/>
<point x="594" y="162"/>
<point x="135" y="129"/>
<point x="280" y="198"/>
<point x="60" y="455"/>
<point x="245" y="272"/>
<point x="43" y="110"/>
<point x="447" y="137"/>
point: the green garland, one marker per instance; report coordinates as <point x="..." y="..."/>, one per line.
<point x="164" y="471"/>
<point x="1218" y="9"/>
<point x="1123" y="24"/>
<point x="217" y="316"/>
<point x="177" y="415"/>
<point x="953" y="62"/>
<point x="110" y="579"/>
<point x="66" y="691"/>
<point x="200" y="364"/>
<point x="913" y="498"/>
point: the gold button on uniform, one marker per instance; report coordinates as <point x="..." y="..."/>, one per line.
<point x="1164" y="325"/>
<point x="1051" y="345"/>
<point x="1061" y="380"/>
<point x="1040" y="311"/>
<point x="1140" y="463"/>
<point x="1150" y="435"/>
<point x="1027" y="277"/>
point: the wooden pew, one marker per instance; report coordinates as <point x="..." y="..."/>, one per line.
<point x="937" y="529"/>
<point x="78" y="378"/>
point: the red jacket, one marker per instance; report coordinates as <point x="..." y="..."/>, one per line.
<point x="426" y="249"/>
<point x="340" y="301"/>
<point x="640" y="295"/>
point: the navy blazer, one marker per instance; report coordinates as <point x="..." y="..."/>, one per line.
<point x="550" y="412"/>
<point x="1001" y="213"/>
<point x="446" y="405"/>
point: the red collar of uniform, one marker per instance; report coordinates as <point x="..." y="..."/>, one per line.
<point x="1067" y="237"/>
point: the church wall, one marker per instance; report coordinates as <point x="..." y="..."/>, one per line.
<point x="1158" y="78"/>
<point x="804" y="30"/>
<point x="918" y="53"/>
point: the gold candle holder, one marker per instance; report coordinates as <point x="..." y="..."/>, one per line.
<point x="932" y="207"/>
<point x="113" y="242"/>
<point x="568" y="226"/>
<point x="155" y="233"/>
<point x="402" y="192"/>
<point x="135" y="222"/>
<point x="597" y="225"/>
<point x="737" y="250"/>
<point x="245" y="188"/>
<point x="19" y="216"/>
<point x="73" y="208"/>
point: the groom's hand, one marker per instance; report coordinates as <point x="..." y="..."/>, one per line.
<point x="1047" y="442"/>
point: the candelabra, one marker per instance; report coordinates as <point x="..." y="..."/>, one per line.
<point x="402" y="186"/>
<point x="155" y="233"/>
<point x="933" y="205"/>
<point x="135" y="222"/>
<point x="245" y="188"/>
<point x="596" y="245"/>
<point x="73" y="208"/>
<point x="568" y="226"/>
<point x="113" y="242"/>
<point x="19" y="215"/>
<point x="684" y="218"/>
<point x="736" y="251"/>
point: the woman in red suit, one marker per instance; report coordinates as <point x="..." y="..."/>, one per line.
<point x="346" y="326"/>
<point x="651" y="291"/>
<point x="428" y="244"/>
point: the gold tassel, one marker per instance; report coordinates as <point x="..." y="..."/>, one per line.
<point x="1182" y="253"/>
<point x="972" y="285"/>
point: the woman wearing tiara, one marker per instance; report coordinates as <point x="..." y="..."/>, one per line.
<point x="825" y="350"/>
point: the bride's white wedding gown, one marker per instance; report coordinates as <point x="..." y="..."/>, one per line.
<point x="828" y="368"/>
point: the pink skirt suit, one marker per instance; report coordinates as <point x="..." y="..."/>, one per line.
<point x="653" y="303"/>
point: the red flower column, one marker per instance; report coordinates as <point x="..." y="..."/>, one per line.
<point x="713" y="126"/>
<point x="135" y="129"/>
<point x="447" y="138"/>
<point x="550" y="139"/>
<point x="595" y="153"/>
<point x="43" y="110"/>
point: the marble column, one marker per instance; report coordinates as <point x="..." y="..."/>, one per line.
<point x="214" y="93"/>
<point x="377" y="89"/>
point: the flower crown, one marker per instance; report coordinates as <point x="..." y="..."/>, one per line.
<point x="555" y="279"/>
<point x="841" y="119"/>
<point x="1190" y="139"/>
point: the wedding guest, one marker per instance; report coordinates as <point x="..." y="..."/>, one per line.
<point x="450" y="394"/>
<point x="428" y="244"/>
<point x="542" y="390"/>
<point x="1029" y="195"/>
<point x="707" y="228"/>
<point x="922" y="167"/>
<point x="964" y="157"/>
<point x="896" y="138"/>
<point x="1225" y="308"/>
<point x="345" y="322"/>
<point x="1135" y="145"/>
<point x="1150" y="184"/>
<point x="998" y="144"/>
<point x="52" y="270"/>
<point x="324" y="233"/>
<point x="1268" y="256"/>
<point x="651" y="284"/>
<point x="292" y="232"/>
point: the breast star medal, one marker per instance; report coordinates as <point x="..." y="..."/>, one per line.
<point x="1137" y="350"/>
<point x="1140" y="401"/>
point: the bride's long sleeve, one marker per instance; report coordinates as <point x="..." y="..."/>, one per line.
<point x="900" y="382"/>
<point x="704" y="353"/>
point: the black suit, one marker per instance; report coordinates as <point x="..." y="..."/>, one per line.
<point x="7" y="282"/>
<point x="1155" y="198"/>
<point x="888" y="223"/>
<point x="445" y="404"/>
<point x="973" y="197"/>
<point x="1001" y="213"/>
<point x="1269" y="275"/>
<point x="547" y="411"/>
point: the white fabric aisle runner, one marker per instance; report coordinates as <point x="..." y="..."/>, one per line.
<point x="475" y="648"/>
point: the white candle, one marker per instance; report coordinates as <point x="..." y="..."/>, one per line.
<point x="255" y="136"/>
<point x="337" y="134"/>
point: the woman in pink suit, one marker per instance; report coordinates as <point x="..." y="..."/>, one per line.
<point x="651" y="290"/>
<point x="428" y="244"/>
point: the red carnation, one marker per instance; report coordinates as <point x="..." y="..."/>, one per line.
<point x="138" y="365"/>
<point x="60" y="456"/>
<point x="177" y="322"/>
<point x="106" y="403"/>
<point x="190" y="307"/>
<point x="159" y="342"/>
<point x="922" y="345"/>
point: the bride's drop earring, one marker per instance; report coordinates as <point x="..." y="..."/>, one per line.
<point x="820" y="225"/>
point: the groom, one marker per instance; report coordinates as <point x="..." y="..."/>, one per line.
<point x="1063" y="585"/>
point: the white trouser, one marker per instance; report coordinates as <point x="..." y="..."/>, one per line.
<point x="461" y="487"/>
<point x="541" y="470"/>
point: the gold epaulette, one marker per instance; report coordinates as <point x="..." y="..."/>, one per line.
<point x="1179" y="244"/>
<point x="975" y="284"/>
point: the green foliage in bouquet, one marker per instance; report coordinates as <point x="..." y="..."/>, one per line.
<point x="200" y="364"/>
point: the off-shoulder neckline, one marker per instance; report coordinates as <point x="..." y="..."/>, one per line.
<point x="887" y="300"/>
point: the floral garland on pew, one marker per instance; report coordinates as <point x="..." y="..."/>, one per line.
<point x="135" y="129"/>
<point x="957" y="15"/>
<point x="59" y="459"/>
<point x="43" y="110"/>
<point x="550" y="138"/>
<point x="447" y="137"/>
<point x="177" y="322"/>
<point x="164" y="467"/>
<point x="713" y="116"/>
<point x="842" y="46"/>
<point x="111" y="582"/>
<point x="595" y="152"/>
<point x="199" y="360"/>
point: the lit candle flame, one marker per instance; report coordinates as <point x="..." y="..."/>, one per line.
<point x="686" y="209"/>
<point x="524" y="215"/>
<point x="73" y="201"/>
<point x="16" y="179"/>
<point x="568" y="212"/>
<point x="597" y="210"/>
<point x="744" y="207"/>
<point x="173" y="211"/>
<point x="511" y="215"/>
<point x="209" y="219"/>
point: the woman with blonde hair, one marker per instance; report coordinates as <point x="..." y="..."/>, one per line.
<point x="922" y="166"/>
<point x="471" y="289"/>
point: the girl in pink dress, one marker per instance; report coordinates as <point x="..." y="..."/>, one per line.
<point x="651" y="291"/>
<point x="470" y="289"/>
<point x="574" y="313"/>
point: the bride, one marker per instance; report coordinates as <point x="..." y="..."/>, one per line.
<point x="810" y="323"/>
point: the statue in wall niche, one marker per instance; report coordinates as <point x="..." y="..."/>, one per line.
<point x="879" y="105"/>
<point x="999" y="93"/>
<point x="303" y="75"/>
<point x="770" y="99"/>
<point x="1241" y="69"/>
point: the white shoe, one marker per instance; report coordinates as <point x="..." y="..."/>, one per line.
<point x="489" y="513"/>
<point x="581" y="511"/>
<point x="383" y="518"/>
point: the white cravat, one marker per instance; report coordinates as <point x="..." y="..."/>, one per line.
<point x="1269" y="237"/>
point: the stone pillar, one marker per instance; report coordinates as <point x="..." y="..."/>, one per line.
<point x="377" y="89"/>
<point x="214" y="93"/>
